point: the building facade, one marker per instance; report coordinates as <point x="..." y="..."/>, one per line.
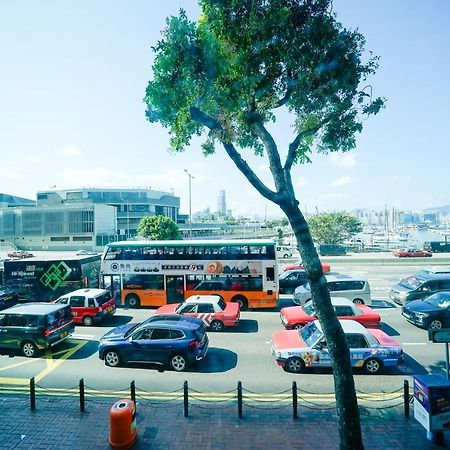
<point x="85" y="218"/>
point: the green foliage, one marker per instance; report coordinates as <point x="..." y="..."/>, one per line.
<point x="333" y="228"/>
<point x="243" y="59"/>
<point x="158" y="228"/>
<point x="280" y="234"/>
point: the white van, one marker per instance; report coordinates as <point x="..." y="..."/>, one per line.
<point x="355" y="289"/>
<point x="283" y="251"/>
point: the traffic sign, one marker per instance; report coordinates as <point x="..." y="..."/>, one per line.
<point x="440" y="336"/>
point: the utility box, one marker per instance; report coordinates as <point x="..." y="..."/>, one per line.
<point x="432" y="402"/>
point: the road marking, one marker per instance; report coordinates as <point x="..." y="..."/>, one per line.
<point x="53" y="364"/>
<point x="415" y="343"/>
<point x="88" y="337"/>
<point x="22" y="363"/>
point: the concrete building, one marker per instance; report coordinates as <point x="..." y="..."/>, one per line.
<point x="82" y="218"/>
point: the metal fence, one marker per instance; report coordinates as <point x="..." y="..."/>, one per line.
<point x="237" y="399"/>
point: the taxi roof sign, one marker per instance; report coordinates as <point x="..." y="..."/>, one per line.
<point x="439" y="336"/>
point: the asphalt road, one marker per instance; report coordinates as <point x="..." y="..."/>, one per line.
<point x="236" y="355"/>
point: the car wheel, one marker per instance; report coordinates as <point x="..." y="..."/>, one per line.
<point x="112" y="358"/>
<point x="217" y="325"/>
<point x="295" y="365"/>
<point x="297" y="326"/>
<point x="132" y="301"/>
<point x="242" y="301"/>
<point x="372" y="366"/>
<point x="178" y="363"/>
<point x="87" y="320"/>
<point x="358" y="301"/>
<point x="435" y="324"/>
<point x="28" y="349"/>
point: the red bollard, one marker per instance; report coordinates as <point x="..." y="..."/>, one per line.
<point x="122" y="424"/>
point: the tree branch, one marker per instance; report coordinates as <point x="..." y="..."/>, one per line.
<point x="290" y="88"/>
<point x="241" y="164"/>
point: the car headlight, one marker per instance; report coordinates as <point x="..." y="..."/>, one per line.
<point x="420" y="315"/>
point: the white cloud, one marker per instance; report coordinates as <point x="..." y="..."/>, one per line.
<point x="343" y="159"/>
<point x="343" y="181"/>
<point x="69" y="151"/>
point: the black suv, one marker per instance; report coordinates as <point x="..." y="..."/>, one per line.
<point x="34" y="326"/>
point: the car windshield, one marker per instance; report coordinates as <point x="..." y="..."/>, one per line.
<point x="308" y="308"/>
<point x="222" y="304"/>
<point x="180" y="307"/>
<point x="133" y="329"/>
<point x="412" y="282"/>
<point x="441" y="300"/>
<point x="310" y="334"/>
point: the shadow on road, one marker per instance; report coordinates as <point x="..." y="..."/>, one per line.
<point x="389" y="330"/>
<point x="382" y="304"/>
<point x="439" y="368"/>
<point x="244" y="326"/>
<point x="218" y="360"/>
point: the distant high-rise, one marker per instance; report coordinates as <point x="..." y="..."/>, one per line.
<point x="221" y="204"/>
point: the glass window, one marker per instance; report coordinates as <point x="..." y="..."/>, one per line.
<point x="77" y="301"/>
<point x="160" y="333"/>
<point x="176" y="334"/>
<point x="16" y="321"/>
<point x="91" y="303"/>
<point x="205" y="308"/>
<point x="143" y="334"/>
<point x="113" y="253"/>
<point x="356" y="341"/>
<point x="343" y="311"/>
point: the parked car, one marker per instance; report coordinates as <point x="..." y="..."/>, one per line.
<point x="371" y="349"/>
<point x="89" y="305"/>
<point x="34" y="326"/>
<point x="354" y="288"/>
<point x="210" y="309"/>
<point x="412" y="253"/>
<point x="283" y="251"/>
<point x="299" y="316"/>
<point x="429" y="270"/>
<point x="20" y="254"/>
<point x="290" y="279"/>
<point x="8" y="297"/>
<point x="432" y="312"/>
<point x="418" y="287"/>
<point x="332" y="250"/>
<point x="174" y="343"/>
<point x="85" y="252"/>
<point x="299" y="265"/>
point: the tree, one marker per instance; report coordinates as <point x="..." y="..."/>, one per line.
<point x="334" y="227"/>
<point x="158" y="228"/>
<point x="228" y="75"/>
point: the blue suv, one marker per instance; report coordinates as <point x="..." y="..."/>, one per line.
<point x="175" y="341"/>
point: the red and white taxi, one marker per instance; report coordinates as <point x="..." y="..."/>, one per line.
<point x="211" y="309"/>
<point x="89" y="305"/>
<point x="370" y="348"/>
<point x="298" y="316"/>
<point x="299" y="265"/>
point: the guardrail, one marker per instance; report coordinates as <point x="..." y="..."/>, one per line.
<point x="292" y="398"/>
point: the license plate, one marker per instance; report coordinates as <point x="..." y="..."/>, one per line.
<point x="63" y="335"/>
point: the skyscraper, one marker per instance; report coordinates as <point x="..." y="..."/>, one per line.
<point x="221" y="204"/>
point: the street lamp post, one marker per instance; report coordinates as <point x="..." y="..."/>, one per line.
<point x="190" y="203"/>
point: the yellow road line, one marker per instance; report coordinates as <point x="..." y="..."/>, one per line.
<point x="22" y="363"/>
<point x="56" y="363"/>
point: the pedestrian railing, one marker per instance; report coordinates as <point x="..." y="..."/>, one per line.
<point x="240" y="398"/>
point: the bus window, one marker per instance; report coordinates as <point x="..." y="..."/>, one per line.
<point x="113" y="253"/>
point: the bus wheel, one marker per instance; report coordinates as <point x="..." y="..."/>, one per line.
<point x="242" y="301"/>
<point x="132" y="301"/>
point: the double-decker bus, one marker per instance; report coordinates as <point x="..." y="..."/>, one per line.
<point x="46" y="279"/>
<point x="153" y="273"/>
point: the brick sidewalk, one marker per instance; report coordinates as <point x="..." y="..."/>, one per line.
<point x="58" y="424"/>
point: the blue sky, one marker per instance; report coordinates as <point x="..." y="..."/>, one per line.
<point x="73" y="76"/>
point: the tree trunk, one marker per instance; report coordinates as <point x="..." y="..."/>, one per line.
<point x="346" y="401"/>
